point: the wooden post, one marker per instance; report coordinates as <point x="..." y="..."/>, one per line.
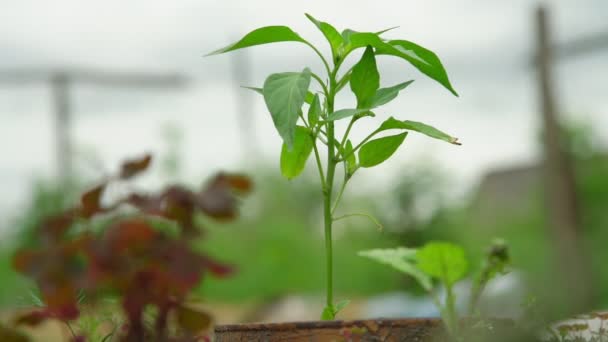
<point x="241" y="75"/>
<point x="560" y="191"/>
<point x="62" y="117"/>
<point x="61" y="81"/>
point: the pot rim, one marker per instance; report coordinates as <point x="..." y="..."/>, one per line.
<point x="379" y="322"/>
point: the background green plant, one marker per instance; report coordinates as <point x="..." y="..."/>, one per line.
<point x="446" y="263"/>
<point x="286" y="93"/>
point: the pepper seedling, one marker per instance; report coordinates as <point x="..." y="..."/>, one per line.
<point x="287" y="94"/>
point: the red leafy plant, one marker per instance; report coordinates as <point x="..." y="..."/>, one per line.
<point x="144" y="266"/>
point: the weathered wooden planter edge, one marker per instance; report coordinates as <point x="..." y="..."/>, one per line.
<point x="379" y="322"/>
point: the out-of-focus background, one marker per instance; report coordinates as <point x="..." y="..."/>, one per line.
<point x="84" y="85"/>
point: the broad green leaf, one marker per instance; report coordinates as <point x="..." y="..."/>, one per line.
<point x="284" y="94"/>
<point x="314" y="111"/>
<point x="309" y="95"/>
<point x="263" y="35"/>
<point x="345" y="113"/>
<point x="354" y="40"/>
<point x="331" y="34"/>
<point x="392" y="123"/>
<point x="365" y="79"/>
<point x="386" y="95"/>
<point x="444" y="261"/>
<point x="351" y="159"/>
<point x="421" y="58"/>
<point x="401" y="258"/>
<point x="293" y="161"/>
<point x="328" y="313"/>
<point x="376" y="151"/>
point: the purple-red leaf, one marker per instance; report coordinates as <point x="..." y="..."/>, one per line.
<point x="132" y="167"/>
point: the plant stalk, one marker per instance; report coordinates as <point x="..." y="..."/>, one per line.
<point x="328" y="191"/>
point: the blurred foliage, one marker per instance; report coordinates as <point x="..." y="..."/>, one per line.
<point x="277" y="245"/>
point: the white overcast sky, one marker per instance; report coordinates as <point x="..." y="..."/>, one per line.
<point x="485" y="46"/>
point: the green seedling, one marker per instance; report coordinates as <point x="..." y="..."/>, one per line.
<point x="309" y="131"/>
<point x="447" y="264"/>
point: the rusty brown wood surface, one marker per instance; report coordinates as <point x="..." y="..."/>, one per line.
<point x="388" y="330"/>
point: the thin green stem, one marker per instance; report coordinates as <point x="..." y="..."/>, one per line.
<point x="319" y="166"/>
<point x="339" y="196"/>
<point x="321" y="83"/>
<point x="370" y="217"/>
<point x="301" y="115"/>
<point x="328" y="190"/>
<point x="371" y="135"/>
<point x="327" y="68"/>
<point x="346" y="133"/>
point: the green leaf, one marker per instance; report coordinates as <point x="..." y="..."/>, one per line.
<point x="386" y="30"/>
<point x="284" y="94"/>
<point x="314" y="111"/>
<point x="392" y="123"/>
<point x="331" y="34"/>
<point x="328" y="314"/>
<point x="351" y="159"/>
<point x="386" y="95"/>
<point x="192" y="320"/>
<point x="376" y="151"/>
<point x="426" y="61"/>
<point x="401" y="258"/>
<point x="345" y="113"/>
<point x="340" y="306"/>
<point x="257" y="90"/>
<point x="309" y="95"/>
<point x="293" y="161"/>
<point x="444" y="261"/>
<point x="365" y="79"/>
<point x="263" y="35"/>
<point x="354" y="40"/>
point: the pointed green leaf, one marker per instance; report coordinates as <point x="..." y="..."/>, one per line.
<point x="365" y="79"/>
<point x="421" y="58"/>
<point x="386" y="30"/>
<point x="426" y="61"/>
<point x="257" y="90"/>
<point x="345" y="113"/>
<point x="376" y="151"/>
<point x="386" y="95"/>
<point x="284" y="94"/>
<point x="351" y="159"/>
<point x="331" y="34"/>
<point x="392" y="123"/>
<point x="444" y="261"/>
<point x="314" y="111"/>
<point x="340" y="306"/>
<point x="293" y="161"/>
<point x="309" y="95"/>
<point x="402" y="259"/>
<point x="263" y="35"/>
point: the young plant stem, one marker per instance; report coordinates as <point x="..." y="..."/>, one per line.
<point x="370" y="217"/>
<point x="328" y="190"/>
